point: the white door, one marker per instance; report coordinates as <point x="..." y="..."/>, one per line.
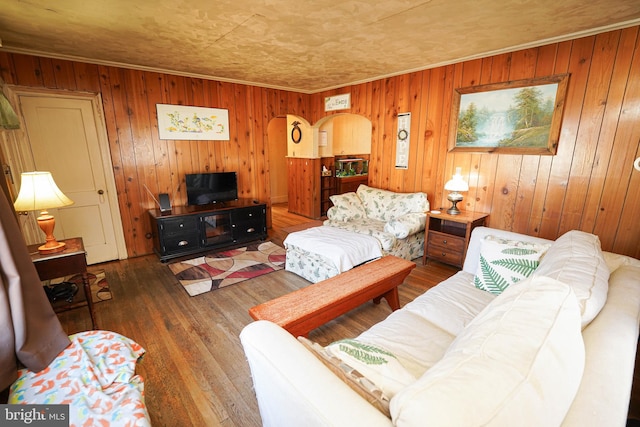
<point x="64" y="134"/>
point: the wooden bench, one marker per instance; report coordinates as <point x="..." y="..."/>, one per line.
<point x="303" y="310"/>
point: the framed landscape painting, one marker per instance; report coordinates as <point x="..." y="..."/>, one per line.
<point x="517" y="117"/>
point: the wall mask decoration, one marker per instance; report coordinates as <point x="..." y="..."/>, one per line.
<point x="296" y="132"/>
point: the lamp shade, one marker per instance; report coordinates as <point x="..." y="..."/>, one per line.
<point x="38" y="191"/>
<point x="456" y="183"/>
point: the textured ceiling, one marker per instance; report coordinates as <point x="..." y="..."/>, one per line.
<point x="300" y="45"/>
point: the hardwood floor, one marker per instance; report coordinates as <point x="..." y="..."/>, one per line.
<point x="195" y="371"/>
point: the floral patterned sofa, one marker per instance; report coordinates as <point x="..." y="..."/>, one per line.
<point x="372" y="221"/>
<point x="397" y="220"/>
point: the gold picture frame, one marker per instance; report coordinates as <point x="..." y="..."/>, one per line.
<point x="515" y="117"/>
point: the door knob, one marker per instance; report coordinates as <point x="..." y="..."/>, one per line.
<point x="101" y="192"/>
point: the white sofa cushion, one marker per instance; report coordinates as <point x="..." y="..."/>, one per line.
<point x="346" y="207"/>
<point x="504" y="262"/>
<point x="523" y="351"/>
<point x="435" y="318"/>
<point x="576" y="259"/>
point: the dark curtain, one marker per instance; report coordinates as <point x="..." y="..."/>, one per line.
<point x="29" y="329"/>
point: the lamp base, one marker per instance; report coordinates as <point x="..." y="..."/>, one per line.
<point x="453" y="210"/>
<point x="55" y="247"/>
<point x="47" y="223"/>
<point x="454" y="198"/>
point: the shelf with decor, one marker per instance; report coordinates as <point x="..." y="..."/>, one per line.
<point x="327" y="184"/>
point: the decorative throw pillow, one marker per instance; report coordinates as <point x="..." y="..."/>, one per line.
<point x="504" y="262"/>
<point x="346" y="207"/>
<point x="354" y="379"/>
<point x="379" y="365"/>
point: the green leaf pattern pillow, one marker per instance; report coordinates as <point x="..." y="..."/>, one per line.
<point x="505" y="262"/>
<point x="379" y="365"/>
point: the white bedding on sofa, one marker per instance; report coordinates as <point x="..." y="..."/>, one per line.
<point x="436" y="318"/>
<point x="522" y="354"/>
<point x="345" y="249"/>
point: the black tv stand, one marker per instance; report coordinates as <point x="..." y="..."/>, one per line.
<point x="188" y="230"/>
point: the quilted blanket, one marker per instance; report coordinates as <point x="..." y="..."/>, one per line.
<point x="346" y="249"/>
<point x="95" y="376"/>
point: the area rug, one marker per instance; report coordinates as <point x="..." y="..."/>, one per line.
<point x="97" y="279"/>
<point x="217" y="270"/>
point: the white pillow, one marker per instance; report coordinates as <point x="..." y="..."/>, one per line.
<point x="576" y="259"/>
<point x="377" y="364"/>
<point x="346" y="207"/>
<point x="504" y="262"/>
<point x="518" y="363"/>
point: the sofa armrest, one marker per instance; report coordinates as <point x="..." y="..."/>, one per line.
<point x="610" y="341"/>
<point x="406" y="225"/>
<point x="294" y="388"/>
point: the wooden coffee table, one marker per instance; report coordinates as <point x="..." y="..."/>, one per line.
<point x="303" y="310"/>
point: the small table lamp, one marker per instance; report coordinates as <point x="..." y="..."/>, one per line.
<point x="455" y="185"/>
<point x="38" y="191"/>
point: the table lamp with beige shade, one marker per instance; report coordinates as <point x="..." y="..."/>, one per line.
<point x="38" y="191"/>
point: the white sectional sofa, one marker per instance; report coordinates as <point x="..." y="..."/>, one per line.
<point x="556" y="348"/>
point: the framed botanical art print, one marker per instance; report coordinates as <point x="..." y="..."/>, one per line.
<point x="194" y="123"/>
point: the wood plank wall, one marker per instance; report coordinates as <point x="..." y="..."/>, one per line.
<point x="589" y="185"/>
<point x="139" y="157"/>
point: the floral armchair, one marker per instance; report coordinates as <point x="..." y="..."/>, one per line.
<point x="397" y="220"/>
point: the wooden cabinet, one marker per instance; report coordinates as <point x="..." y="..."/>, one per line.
<point x="350" y="183"/>
<point x="447" y="236"/>
<point x="327" y="189"/>
<point x="191" y="229"/>
<point x="303" y="190"/>
<point x="72" y="260"/>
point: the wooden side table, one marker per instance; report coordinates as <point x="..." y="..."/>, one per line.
<point x="72" y="260"/>
<point x="446" y="237"/>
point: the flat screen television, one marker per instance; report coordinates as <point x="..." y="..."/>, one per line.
<point x="210" y="188"/>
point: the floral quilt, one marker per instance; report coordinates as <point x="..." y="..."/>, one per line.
<point x="95" y="376"/>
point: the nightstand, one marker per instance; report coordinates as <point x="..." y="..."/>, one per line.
<point x="446" y="237"/>
<point x="72" y="260"/>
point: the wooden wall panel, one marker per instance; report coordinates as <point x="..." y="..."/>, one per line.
<point x="589" y="184"/>
<point x="138" y="156"/>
